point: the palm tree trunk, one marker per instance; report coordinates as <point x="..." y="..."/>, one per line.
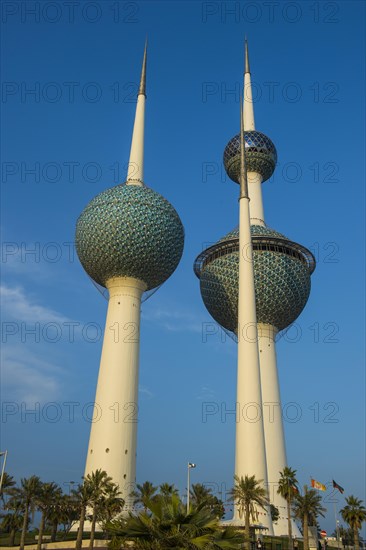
<point x="40" y="532"/>
<point x="289" y="520"/>
<point x="306" y="532"/>
<point x="356" y="538"/>
<point x="92" y="530"/>
<point x="24" y="528"/>
<point x="54" y="530"/>
<point x="12" y="537"/>
<point x="79" y="540"/>
<point x="247" y="527"/>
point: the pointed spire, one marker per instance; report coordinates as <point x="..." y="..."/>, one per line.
<point x="142" y="88"/>
<point x="247" y="65"/>
<point x="248" y="98"/>
<point x="135" y="172"/>
<point x="243" y="169"/>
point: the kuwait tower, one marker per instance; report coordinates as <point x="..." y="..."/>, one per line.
<point x="129" y="239"/>
<point x="281" y="270"/>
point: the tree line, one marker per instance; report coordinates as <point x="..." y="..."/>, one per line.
<point x="160" y="519"/>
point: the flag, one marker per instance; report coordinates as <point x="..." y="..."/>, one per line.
<point x="318" y="485"/>
<point x="336" y="486"/>
<point x="294" y="489"/>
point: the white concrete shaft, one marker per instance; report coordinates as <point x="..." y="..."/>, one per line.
<point x="272" y="420"/>
<point x="256" y="201"/>
<point x="112" y="443"/>
<point x="135" y="173"/>
<point x="250" y="456"/>
<point x="249" y="122"/>
<point x="273" y="423"/>
<point x="254" y="179"/>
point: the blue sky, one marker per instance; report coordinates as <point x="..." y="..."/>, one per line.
<point x="83" y="63"/>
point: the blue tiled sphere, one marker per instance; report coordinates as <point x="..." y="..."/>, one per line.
<point x="130" y="231"/>
<point x="260" y="155"/>
<point x="282" y="281"/>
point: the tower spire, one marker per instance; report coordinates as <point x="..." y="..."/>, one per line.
<point x="249" y="123"/>
<point x="142" y="88"/>
<point x="247" y="65"/>
<point x="135" y="172"/>
<point x="243" y="170"/>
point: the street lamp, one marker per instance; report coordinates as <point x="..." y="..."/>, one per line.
<point x="337" y="532"/>
<point x="190" y="465"/>
<point x="70" y="485"/>
<point x="4" y="454"/>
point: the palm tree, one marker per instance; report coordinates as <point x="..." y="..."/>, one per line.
<point x="62" y="510"/>
<point x="7" y="484"/>
<point x="345" y="535"/>
<point x="201" y="495"/>
<point x="287" y="487"/>
<point x="165" y="524"/>
<point x="100" y="483"/>
<point x="65" y="512"/>
<point x="110" y="505"/>
<point x="307" y="508"/>
<point x="28" y="492"/>
<point x="167" y="490"/>
<point x="246" y="493"/>
<point x="83" y="496"/>
<point x="13" y="521"/>
<point x="48" y="494"/>
<point x="144" y="494"/>
<point x="275" y="513"/>
<point x="354" y="513"/>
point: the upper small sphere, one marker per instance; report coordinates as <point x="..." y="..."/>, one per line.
<point x="129" y="231"/>
<point x="261" y="155"/>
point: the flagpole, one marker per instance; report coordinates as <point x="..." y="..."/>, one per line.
<point x="337" y="523"/>
<point x="189" y="466"/>
<point x="3" y="469"/>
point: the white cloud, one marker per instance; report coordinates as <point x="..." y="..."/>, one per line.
<point x="174" y="321"/>
<point x="27" y="377"/>
<point x="29" y="370"/>
<point x="17" y="305"/>
<point x="15" y="264"/>
<point x="145" y="391"/>
<point x="206" y="394"/>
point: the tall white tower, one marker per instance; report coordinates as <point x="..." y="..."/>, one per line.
<point x="282" y="270"/>
<point x="250" y="452"/>
<point x="267" y="332"/>
<point x="129" y="239"/>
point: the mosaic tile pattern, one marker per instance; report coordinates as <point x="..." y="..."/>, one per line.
<point x="282" y="285"/>
<point x="129" y="231"/>
<point x="256" y="230"/>
<point x="261" y="155"/>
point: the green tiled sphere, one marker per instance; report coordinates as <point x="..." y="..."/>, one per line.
<point x="282" y="284"/>
<point x="130" y="231"/>
<point x="260" y="155"/>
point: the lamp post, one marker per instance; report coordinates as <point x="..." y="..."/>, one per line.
<point x="190" y="465"/>
<point x="70" y="485"/>
<point x="5" y="454"/>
